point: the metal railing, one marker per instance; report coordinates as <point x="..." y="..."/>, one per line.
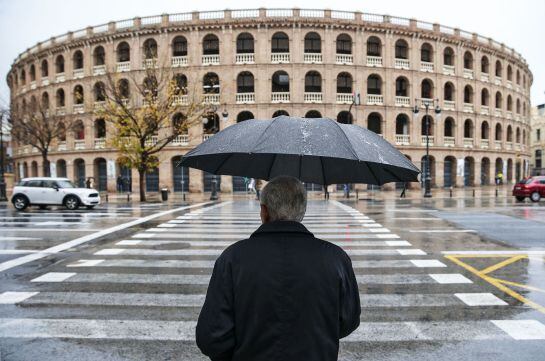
<point x="245" y="98"/>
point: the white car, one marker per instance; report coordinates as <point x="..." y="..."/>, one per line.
<point x="52" y="191"/>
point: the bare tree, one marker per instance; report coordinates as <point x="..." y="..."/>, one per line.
<point x="167" y="110"/>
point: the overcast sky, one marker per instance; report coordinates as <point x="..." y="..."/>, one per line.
<point x="519" y="24"/>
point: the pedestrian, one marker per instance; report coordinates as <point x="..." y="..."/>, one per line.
<point x="258" y="186"/>
<point x="88" y="182"/>
<point x="119" y="182"/>
<point x="282" y="294"/>
<point x="403" y="191"/>
<point x="251" y="186"/>
<point x="346" y="188"/>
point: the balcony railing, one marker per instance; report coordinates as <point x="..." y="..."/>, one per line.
<point x="33" y="85"/>
<point x="449" y="141"/>
<point x="245" y="98"/>
<point x="61" y="146"/>
<point x="403" y="101"/>
<point x="449" y="105"/>
<point x="344" y="59"/>
<point x="150" y="63"/>
<point x="313" y="97"/>
<point x="181" y="140"/>
<point x="497" y="144"/>
<point x="485" y="143"/>
<point x="468" y="142"/>
<point x="79" y="144"/>
<point x="280" y="97"/>
<point x="485" y="77"/>
<point x="345" y="98"/>
<point x="212" y="98"/>
<point x="468" y="73"/>
<point x="78" y="108"/>
<point x="245" y="58"/>
<point x="78" y="73"/>
<point x="45" y="82"/>
<point x="517" y="146"/>
<point x="509" y="115"/>
<point x="374" y="60"/>
<point x="99" y="105"/>
<point x="402" y="64"/>
<point x="151" y="141"/>
<point x="426" y="66"/>
<point x="100" y="143"/>
<point x="123" y="66"/>
<point x="375" y="99"/>
<point x="280" y="58"/>
<point x="177" y="61"/>
<point x="485" y="110"/>
<point x="509" y="145"/>
<point x="497" y="112"/>
<point x="181" y="99"/>
<point x="431" y="139"/>
<point x="213" y="59"/>
<point x="206" y="136"/>
<point x="312" y="58"/>
<point x="60" y="77"/>
<point x="61" y="111"/>
<point x="99" y="69"/>
<point x="497" y="80"/>
<point x="449" y="70"/>
<point x="509" y="84"/>
<point x="403" y="139"/>
<point x="468" y="107"/>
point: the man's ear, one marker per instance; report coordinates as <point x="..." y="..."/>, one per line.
<point x="264" y="214"/>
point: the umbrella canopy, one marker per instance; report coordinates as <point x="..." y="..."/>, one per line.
<point x="316" y="150"/>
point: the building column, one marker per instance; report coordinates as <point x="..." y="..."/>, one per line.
<point x="195" y="181"/>
<point x="226" y="184"/>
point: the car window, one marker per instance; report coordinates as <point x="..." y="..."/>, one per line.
<point x="33" y="183"/>
<point x="49" y="184"/>
<point x="65" y="184"/>
<point x="542" y="181"/>
<point x="528" y="181"/>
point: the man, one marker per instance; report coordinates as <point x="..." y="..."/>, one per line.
<point x="282" y="294"/>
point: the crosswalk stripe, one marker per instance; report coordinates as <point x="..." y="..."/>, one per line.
<point x="217" y="252"/>
<point x="200" y="231"/>
<point x="17" y="251"/>
<point x="164" y="234"/>
<point x="200" y="243"/>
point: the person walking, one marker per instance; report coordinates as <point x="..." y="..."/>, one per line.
<point x="119" y="182"/>
<point x="282" y="294"/>
<point x="258" y="186"/>
<point x="251" y="185"/>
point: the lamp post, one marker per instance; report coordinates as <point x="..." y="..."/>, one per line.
<point x="435" y="104"/>
<point x="214" y="128"/>
<point x="2" y="179"/>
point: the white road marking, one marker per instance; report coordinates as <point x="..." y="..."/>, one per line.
<point x="480" y="299"/>
<point x="250" y="230"/>
<point x="201" y="243"/>
<point x="397" y="243"/>
<point x="449" y="278"/>
<point x="442" y="231"/>
<point x="54" y="277"/>
<point x="17" y="251"/>
<point x="130" y="242"/>
<point x="8" y="238"/>
<point x="9" y="298"/>
<point x="417" y="218"/>
<point x="499" y="253"/>
<point x="109" y="252"/>
<point x="86" y="263"/>
<point x="240" y="236"/>
<point x="78" y="241"/>
<point x="424" y="263"/>
<point x="411" y="252"/>
<point x="522" y="329"/>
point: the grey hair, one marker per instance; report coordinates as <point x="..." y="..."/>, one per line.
<point x="285" y="198"/>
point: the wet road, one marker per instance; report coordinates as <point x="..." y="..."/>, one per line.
<point x="437" y="280"/>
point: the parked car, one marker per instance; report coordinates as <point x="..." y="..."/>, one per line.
<point x="533" y="187"/>
<point x="45" y="192"/>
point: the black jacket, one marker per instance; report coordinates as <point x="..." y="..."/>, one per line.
<point x="281" y="295"/>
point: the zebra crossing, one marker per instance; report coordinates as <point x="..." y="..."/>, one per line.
<point x="169" y="265"/>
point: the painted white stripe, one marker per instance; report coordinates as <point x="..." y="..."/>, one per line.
<point x="17" y="251"/>
<point x="442" y="231"/>
<point x="86" y="263"/>
<point x="9" y="298"/>
<point x="411" y="252"/>
<point x="499" y="253"/>
<point x="109" y="252"/>
<point x="201" y="243"/>
<point x="397" y="243"/>
<point x="247" y="235"/>
<point x="403" y="278"/>
<point x="480" y="299"/>
<point x="76" y="242"/>
<point x="425" y="263"/>
<point x="238" y="230"/>
<point x="54" y="277"/>
<point x="130" y="242"/>
<point x="417" y="218"/>
<point x="522" y="329"/>
<point x="8" y="238"/>
<point x="448" y="278"/>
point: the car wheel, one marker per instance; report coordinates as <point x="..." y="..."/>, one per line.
<point x="20" y="203"/>
<point x="535" y="197"/>
<point x="71" y="202"/>
<point x="89" y="207"/>
<point x="520" y="199"/>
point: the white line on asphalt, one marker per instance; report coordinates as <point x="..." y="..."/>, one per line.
<point x="427" y="263"/>
<point x="10" y="298"/>
<point x="24" y="229"/>
<point x="499" y="253"/>
<point x="450" y="278"/>
<point x="247" y="235"/>
<point x="86" y="263"/>
<point x="196" y="243"/>
<point x="17" y="251"/>
<point x="443" y="231"/>
<point x="411" y="252"/>
<point x="78" y="241"/>
<point x="54" y="277"/>
<point x="9" y="238"/>
<point x="417" y="218"/>
<point x="480" y="299"/>
<point x="522" y="329"/>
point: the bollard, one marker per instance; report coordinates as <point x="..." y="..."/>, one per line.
<point x="128" y="197"/>
<point x="496" y="192"/>
<point x="474" y="193"/>
<point x="450" y="191"/>
<point x="357" y="195"/>
<point x="106" y="197"/>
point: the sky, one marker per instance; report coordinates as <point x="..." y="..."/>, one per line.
<point x="519" y="24"/>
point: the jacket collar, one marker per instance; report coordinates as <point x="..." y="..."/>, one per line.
<point x="282" y="227"/>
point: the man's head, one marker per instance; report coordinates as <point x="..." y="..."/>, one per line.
<point x="283" y="199"/>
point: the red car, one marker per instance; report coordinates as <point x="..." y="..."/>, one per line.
<point x="533" y="187"/>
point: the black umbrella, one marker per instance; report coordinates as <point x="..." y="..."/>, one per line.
<point x="316" y="150"/>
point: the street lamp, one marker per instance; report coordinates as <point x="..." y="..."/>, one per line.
<point x="214" y="129"/>
<point x="2" y="179"/>
<point x="435" y="104"/>
<point x="356" y="100"/>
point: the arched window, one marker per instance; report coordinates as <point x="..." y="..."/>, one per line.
<point x="211" y="123"/>
<point x="448" y="56"/>
<point x="485" y="97"/>
<point x="150" y="85"/>
<point x="401" y="49"/>
<point x="402" y="124"/>
<point x="509" y="73"/>
<point x="210" y="45"/>
<point x="99" y="56"/>
<point x="498" y="100"/>
<point x="468" y="129"/>
<point x="280" y="82"/>
<point x="485" y="65"/>
<point x="498" y="132"/>
<point x="45" y="69"/>
<point x="509" y="133"/>
<point x="179" y="46"/>
<point x="78" y="60"/>
<point x="279" y="113"/>
<point x="485" y="130"/>
<point x="313" y="43"/>
<point x="123" y="88"/>
<point x="426" y="53"/>
<point x="99" y="91"/>
<point x="449" y="93"/>
<point x="245" y="115"/>
<point x="78" y="94"/>
<point x="32" y="72"/>
<point x="374" y="123"/>
<point x="45" y="100"/>
<point x="280" y="43"/>
<point x="60" y="98"/>
<point x="374" y="85"/>
<point x="344" y="117"/>
<point x="449" y="127"/>
<point x="313" y="82"/>
<point x="123" y="52"/>
<point x="179" y="123"/>
<point x="62" y="132"/>
<point x="150" y="49"/>
<point x="402" y="87"/>
<point x="374" y="46"/>
<point x="518" y="77"/>
<point x="33" y="104"/>
<point x="100" y="128"/>
<point x="427" y="89"/>
<point x="468" y="94"/>
<point x="211" y="83"/>
<point x="180" y="81"/>
<point x="245" y="82"/>
<point x="509" y="103"/>
<point x="79" y="130"/>
<point x="59" y="64"/>
<point x="499" y="69"/>
<point x="523" y="81"/>
<point x="344" y="83"/>
<point x="468" y="60"/>
<point x="518" y="106"/>
<point x="313" y="114"/>
<point x="23" y="77"/>
<point x="344" y="44"/>
<point x="245" y="43"/>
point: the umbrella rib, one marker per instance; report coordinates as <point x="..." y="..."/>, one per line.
<point x="348" y="140"/>
<point x="271" y="167"/>
<point x="229" y="155"/>
<point x="323" y="171"/>
<point x="372" y="172"/>
<point x="261" y="136"/>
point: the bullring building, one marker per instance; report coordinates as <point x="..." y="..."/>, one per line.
<point x="260" y="63"/>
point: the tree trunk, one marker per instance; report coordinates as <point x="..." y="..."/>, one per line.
<point x="142" y="181"/>
<point x="45" y="165"/>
